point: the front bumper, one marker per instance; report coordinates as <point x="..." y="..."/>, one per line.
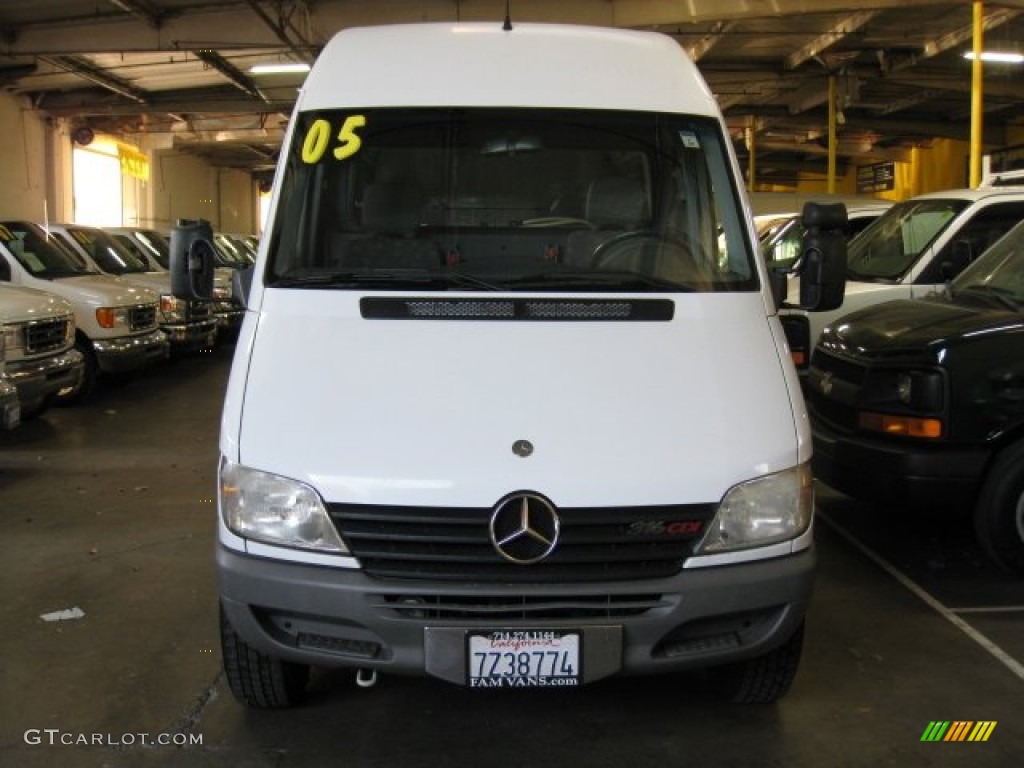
<point x="339" y="617"/>
<point x="129" y="353"/>
<point x="229" y="316"/>
<point x="191" y="335"/>
<point x="38" y="380"/>
<point x="896" y="472"/>
<point x="10" y="408"/>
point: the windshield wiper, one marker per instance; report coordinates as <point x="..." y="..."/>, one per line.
<point x="601" y="280"/>
<point x="993" y="294"/>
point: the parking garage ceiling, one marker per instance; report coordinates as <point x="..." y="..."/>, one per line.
<point x="181" y="68"/>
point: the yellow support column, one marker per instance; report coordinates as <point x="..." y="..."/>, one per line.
<point x="977" y="80"/>
<point x="751" y="155"/>
<point x="831" y="134"/>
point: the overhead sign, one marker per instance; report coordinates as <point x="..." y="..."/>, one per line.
<point x="878" y="177"/>
<point x="133" y="162"/>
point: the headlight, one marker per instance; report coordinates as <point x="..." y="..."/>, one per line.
<point x="172" y="307"/>
<point x="275" y="510"/>
<point x="763" y="511"/>
<point x="11" y="338"/>
<point x="111" y="317"/>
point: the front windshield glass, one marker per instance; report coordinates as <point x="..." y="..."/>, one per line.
<point x="892" y="244"/>
<point x="998" y="275"/>
<point x="38" y="253"/>
<point x="509" y="199"/>
<point x="110" y="255"/>
<point x="157" y="246"/>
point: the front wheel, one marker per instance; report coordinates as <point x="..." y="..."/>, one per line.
<point x="256" y="679"/>
<point x="999" y="514"/>
<point x="764" y="679"/>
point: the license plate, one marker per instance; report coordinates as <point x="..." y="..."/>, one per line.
<point x="523" y="659"/>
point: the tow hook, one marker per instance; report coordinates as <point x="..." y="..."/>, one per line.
<point x="366" y="678"/>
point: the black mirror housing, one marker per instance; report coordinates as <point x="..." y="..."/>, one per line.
<point x="192" y="259"/>
<point x="823" y="260"/>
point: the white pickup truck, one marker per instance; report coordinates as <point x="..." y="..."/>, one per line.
<point x="117" y="330"/>
<point x="39" y="343"/>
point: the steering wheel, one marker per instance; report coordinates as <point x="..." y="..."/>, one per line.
<point x="673" y="255"/>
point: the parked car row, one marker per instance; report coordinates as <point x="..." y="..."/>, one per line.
<point x="915" y="387"/>
<point x="912" y="250"/>
<point x="76" y="303"/>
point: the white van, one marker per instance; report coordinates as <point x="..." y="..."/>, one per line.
<point x="188" y="324"/>
<point x="511" y="404"/>
<point x="116" y="327"/>
<point x="39" y="339"/>
<point x="913" y="250"/>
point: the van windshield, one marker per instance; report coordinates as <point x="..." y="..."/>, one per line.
<point x="893" y="243"/>
<point x="110" y="255"/>
<point x="39" y="253"/>
<point x="509" y="199"/>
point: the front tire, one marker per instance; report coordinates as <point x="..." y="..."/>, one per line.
<point x="764" y="679"/>
<point x="999" y="514"/>
<point x="258" y="680"/>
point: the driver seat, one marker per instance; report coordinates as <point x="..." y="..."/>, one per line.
<point x="613" y="204"/>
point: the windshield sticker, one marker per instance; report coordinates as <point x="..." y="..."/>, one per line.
<point x="318" y="139"/>
<point x="689" y="139"/>
<point x="81" y="237"/>
<point x="5" y="234"/>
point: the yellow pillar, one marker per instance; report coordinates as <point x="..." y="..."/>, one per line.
<point x="751" y="155"/>
<point x="831" y="134"/>
<point x="977" y="114"/>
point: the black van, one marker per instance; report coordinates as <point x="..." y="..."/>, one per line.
<point x="921" y="402"/>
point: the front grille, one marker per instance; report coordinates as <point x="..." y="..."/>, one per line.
<point x="199" y="310"/>
<point x="142" y="317"/>
<point x="833" y="390"/>
<point x="46" y="335"/>
<point x="475" y="607"/>
<point x="453" y="544"/>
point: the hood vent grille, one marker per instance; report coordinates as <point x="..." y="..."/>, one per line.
<point x="544" y="310"/>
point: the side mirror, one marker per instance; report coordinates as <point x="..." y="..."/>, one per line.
<point x="192" y="259"/>
<point x="5" y="270"/>
<point x="823" y="258"/>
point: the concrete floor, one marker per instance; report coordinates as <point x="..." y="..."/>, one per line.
<point x="108" y="508"/>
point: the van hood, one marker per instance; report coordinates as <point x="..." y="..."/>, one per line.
<point x="158" y="282"/>
<point x="18" y="304"/>
<point x="101" y="291"/>
<point x="427" y="412"/>
<point x="915" y="325"/>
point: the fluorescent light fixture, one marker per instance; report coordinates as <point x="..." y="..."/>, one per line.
<point x="1001" y="57"/>
<point x="279" y="69"/>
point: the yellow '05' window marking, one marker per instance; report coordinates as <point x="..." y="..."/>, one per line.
<point x="5" y="234"/>
<point x="318" y="139"/>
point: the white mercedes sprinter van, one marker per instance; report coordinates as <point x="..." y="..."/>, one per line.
<point x="511" y="404"/>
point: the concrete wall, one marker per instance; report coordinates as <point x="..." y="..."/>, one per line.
<point x="36" y="178"/>
<point x="183" y="186"/>
<point x="23" y="154"/>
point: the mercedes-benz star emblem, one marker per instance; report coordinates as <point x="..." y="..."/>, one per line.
<point x="522" y="448"/>
<point x="524" y="528"/>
